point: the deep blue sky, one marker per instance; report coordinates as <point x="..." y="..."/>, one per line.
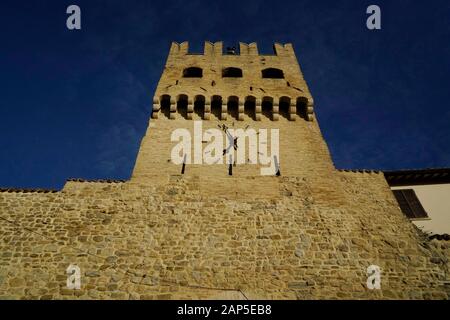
<point x="75" y="104"/>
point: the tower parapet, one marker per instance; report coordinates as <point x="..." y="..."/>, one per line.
<point x="225" y="79"/>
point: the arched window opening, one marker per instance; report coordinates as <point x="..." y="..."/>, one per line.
<point x="165" y="105"/>
<point x="232" y="73"/>
<point x="192" y="72"/>
<point x="250" y="107"/>
<point x="302" y="105"/>
<point x="284" y="107"/>
<point x="199" y="106"/>
<point x="182" y="105"/>
<point x="266" y="107"/>
<point x="272" y="73"/>
<point x="216" y="106"/>
<point x="233" y="107"/>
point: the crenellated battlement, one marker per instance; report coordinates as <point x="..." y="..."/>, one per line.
<point x="217" y="49"/>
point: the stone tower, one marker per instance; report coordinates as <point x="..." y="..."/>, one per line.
<point x="244" y="90"/>
<point x="311" y="231"/>
<point x="190" y="230"/>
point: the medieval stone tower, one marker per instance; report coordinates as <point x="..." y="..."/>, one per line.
<point x="188" y="229"/>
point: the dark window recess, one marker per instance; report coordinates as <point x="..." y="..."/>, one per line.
<point x="192" y="72"/>
<point x="231" y="50"/>
<point x="183" y="169"/>
<point x="231" y="73"/>
<point x="410" y="204"/>
<point x="272" y="73"/>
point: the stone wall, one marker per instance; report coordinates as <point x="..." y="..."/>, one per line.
<point x="174" y="241"/>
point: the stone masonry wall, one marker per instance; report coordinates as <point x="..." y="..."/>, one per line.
<point x="173" y="241"/>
